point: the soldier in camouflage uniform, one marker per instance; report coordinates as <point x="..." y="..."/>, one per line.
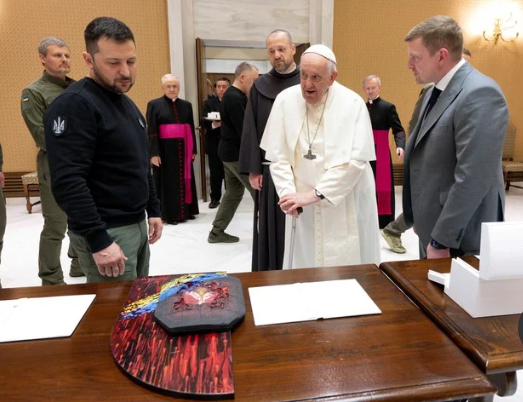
<point x="36" y="98"/>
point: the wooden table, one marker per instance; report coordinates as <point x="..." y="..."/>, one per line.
<point x="491" y="342"/>
<point x="399" y="355"/>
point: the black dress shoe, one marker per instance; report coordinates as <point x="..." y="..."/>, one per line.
<point x="214" y="204"/>
<point x="192" y="217"/>
<point x="170" y="222"/>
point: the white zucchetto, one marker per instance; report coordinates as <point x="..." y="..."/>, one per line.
<point x="322" y="50"/>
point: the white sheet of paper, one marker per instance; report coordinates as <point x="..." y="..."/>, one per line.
<point x="310" y="301"/>
<point x="41" y="317"/>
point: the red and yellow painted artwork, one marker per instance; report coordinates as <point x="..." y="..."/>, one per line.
<point x="197" y="365"/>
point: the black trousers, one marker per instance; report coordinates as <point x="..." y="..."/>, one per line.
<point x="215" y="167"/>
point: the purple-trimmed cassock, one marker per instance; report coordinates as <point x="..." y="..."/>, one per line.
<point x="384" y="117"/>
<point x="170" y="125"/>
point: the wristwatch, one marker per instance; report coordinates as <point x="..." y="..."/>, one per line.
<point x="318" y="194"/>
<point x="436" y="245"/>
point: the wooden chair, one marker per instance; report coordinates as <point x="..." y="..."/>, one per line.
<point x="31" y="188"/>
<point x="512" y="170"/>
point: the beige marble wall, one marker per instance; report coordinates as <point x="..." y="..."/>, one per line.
<point x="235" y="53"/>
<point x="250" y="20"/>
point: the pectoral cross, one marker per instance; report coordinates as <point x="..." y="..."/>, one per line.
<point x="310" y="156"/>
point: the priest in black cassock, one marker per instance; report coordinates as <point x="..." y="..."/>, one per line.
<point x="269" y="220"/>
<point x="172" y="149"/>
<point x="384" y="117"/>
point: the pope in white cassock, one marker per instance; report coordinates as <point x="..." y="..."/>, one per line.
<point x="319" y="141"/>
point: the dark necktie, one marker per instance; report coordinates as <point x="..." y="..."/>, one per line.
<point x="433" y="99"/>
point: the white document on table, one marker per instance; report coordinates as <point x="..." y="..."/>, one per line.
<point x="310" y="301"/>
<point x="41" y="317"/>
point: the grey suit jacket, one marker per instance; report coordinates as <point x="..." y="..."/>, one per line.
<point x="453" y="179"/>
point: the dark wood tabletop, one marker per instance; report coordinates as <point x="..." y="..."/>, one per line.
<point x="399" y="355"/>
<point x="491" y="342"/>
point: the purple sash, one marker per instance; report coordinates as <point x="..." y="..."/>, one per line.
<point x="170" y="131"/>
<point x="383" y="174"/>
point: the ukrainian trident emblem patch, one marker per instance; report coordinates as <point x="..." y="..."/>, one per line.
<point x="59" y="126"/>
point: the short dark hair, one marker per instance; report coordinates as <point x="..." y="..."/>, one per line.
<point x="223" y="79"/>
<point x="242" y="67"/>
<point x="105" y="27"/>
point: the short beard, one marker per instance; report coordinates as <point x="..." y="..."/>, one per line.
<point x="103" y="82"/>
<point x="283" y="69"/>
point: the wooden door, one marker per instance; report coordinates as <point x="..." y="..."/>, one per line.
<point x="299" y="51"/>
<point x="202" y="95"/>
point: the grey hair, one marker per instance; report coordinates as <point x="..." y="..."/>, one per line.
<point x="372" y="77"/>
<point x="50" y="41"/>
<point x="332" y="66"/>
<point x="169" y="77"/>
<point x="439" y="32"/>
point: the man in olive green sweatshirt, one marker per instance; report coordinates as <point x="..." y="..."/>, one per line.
<point x="36" y="98"/>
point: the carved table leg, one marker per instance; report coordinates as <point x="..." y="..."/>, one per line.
<point x="507" y="383"/>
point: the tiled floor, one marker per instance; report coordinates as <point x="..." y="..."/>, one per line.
<point x="183" y="248"/>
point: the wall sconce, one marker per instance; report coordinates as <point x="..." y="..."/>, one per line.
<point x="501" y="28"/>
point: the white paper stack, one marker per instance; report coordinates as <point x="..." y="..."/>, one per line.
<point x="310" y="301"/>
<point x="41" y="317"/>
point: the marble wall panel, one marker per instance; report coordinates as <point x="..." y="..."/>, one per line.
<point x="228" y="65"/>
<point x="250" y="20"/>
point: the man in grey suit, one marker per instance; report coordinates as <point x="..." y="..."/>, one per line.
<point x="452" y="173"/>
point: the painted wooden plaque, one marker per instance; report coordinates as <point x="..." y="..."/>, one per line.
<point x="202" y="305"/>
<point x="196" y="365"/>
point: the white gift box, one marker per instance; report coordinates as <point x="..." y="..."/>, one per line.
<point x="497" y="288"/>
<point x="501" y="250"/>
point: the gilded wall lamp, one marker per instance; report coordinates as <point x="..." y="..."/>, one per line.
<point x="504" y="29"/>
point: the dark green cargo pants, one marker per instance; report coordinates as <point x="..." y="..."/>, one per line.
<point x="235" y="185"/>
<point x="53" y="232"/>
<point x="132" y="239"/>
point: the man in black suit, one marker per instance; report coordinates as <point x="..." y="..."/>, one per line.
<point x="212" y="139"/>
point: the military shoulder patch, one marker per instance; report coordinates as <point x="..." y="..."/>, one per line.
<point x="59" y="126"/>
<point x="26" y="102"/>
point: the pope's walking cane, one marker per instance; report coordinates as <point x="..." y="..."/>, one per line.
<point x="293" y="234"/>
